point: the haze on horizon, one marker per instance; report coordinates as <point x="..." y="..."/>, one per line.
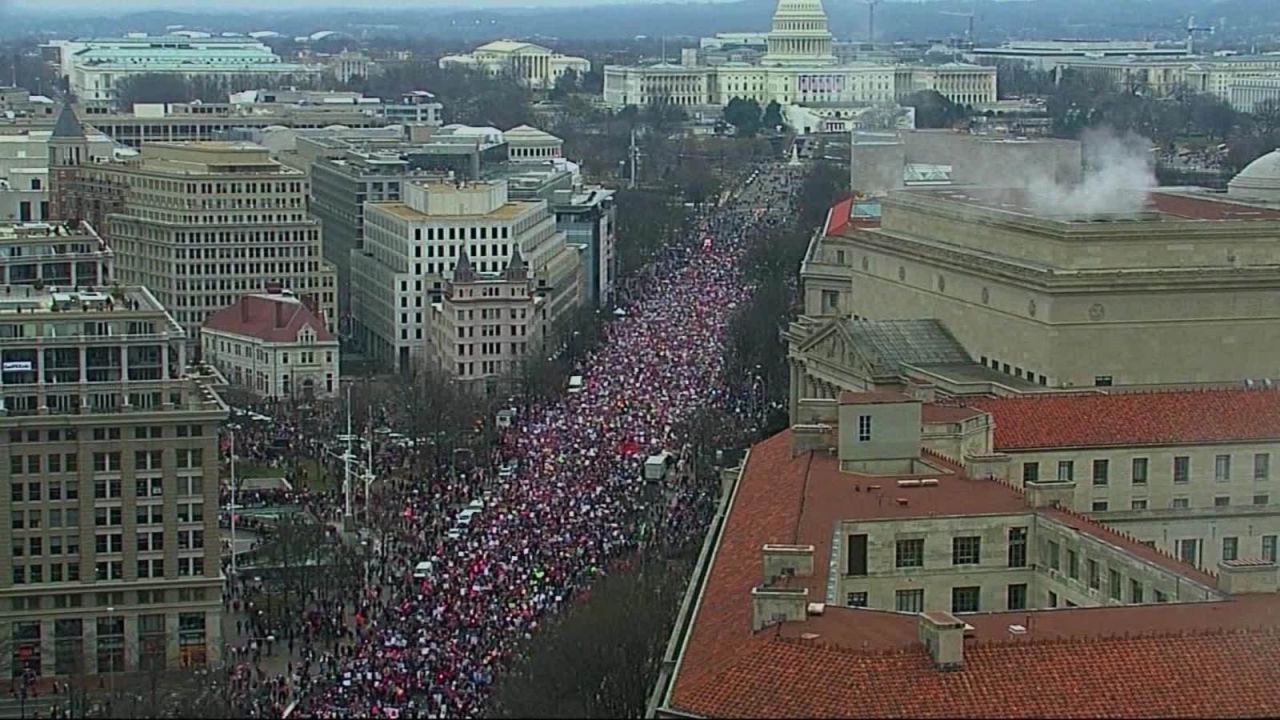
<point x="98" y="7"/>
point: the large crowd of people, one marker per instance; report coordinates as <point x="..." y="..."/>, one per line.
<point x="417" y="644"/>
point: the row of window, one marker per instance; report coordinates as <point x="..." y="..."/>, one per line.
<point x="105" y="599"/>
<point x="1178" y="503"/>
<point x="186" y="512"/>
<point x="184" y="458"/>
<point x="965" y="599"/>
<point x="1139" y="469"/>
<point x="965" y="550"/>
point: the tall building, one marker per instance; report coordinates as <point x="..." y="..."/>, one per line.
<point x="25" y="157"/>
<point x="532" y="65"/>
<point x="850" y="572"/>
<point x="94" y="67"/>
<point x="798" y="67"/>
<point x="111" y="462"/>
<point x="412" y="247"/>
<point x="201" y="224"/>
<point x="508" y="310"/>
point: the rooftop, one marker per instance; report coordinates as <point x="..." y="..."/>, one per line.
<point x="28" y="300"/>
<point x="1156" y="206"/>
<point x="271" y="317"/>
<point x="1181" y="417"/>
<point x="1116" y="661"/>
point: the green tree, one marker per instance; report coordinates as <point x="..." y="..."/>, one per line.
<point x="933" y="110"/>
<point x="772" y="115"/>
<point x="567" y="84"/>
<point x="744" y="116"/>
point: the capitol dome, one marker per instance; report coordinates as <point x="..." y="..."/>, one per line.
<point x="1260" y="180"/>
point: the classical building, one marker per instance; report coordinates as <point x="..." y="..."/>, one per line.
<point x="525" y="144"/>
<point x="1047" y="299"/>
<point x="509" y="312"/>
<point x="532" y="65"/>
<point x="411" y="248"/>
<point x="1048" y="54"/>
<point x="1217" y="76"/>
<point x="111" y="461"/>
<point x="1259" y="182"/>
<point x="798" y="67"/>
<point x="94" y="67"/>
<point x="1186" y="471"/>
<point x="273" y="345"/>
<point x="845" y="549"/>
<point x="66" y="255"/>
<point x="201" y="224"/>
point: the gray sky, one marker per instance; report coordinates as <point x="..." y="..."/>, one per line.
<point x="130" y="5"/>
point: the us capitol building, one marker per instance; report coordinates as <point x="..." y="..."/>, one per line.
<point x="799" y="68"/>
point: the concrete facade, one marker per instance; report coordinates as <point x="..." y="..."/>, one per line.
<point x="532" y="65"/>
<point x="111" y="461"/>
<point x="62" y="255"/>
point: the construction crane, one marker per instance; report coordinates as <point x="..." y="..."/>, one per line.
<point x="969" y="35"/>
<point x="871" y="19"/>
<point x="1192" y="29"/>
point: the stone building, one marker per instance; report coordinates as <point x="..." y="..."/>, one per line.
<point x="56" y="255"/>
<point x="111" y="460"/>
<point x="532" y="65"/>
<point x="844" y="549"/>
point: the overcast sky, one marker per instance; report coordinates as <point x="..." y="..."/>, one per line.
<point x="205" y="5"/>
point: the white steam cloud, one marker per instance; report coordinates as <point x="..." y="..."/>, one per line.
<point x="1117" y="177"/>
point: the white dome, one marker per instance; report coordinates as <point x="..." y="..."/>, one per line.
<point x="1260" y="180"/>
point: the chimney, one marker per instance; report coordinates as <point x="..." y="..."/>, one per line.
<point x="943" y="637"/>
<point x="810" y="437"/>
<point x="1237" y="577"/>
<point x="787" y="561"/>
<point x="771" y="606"/>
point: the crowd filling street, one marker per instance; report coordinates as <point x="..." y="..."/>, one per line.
<point x="446" y="603"/>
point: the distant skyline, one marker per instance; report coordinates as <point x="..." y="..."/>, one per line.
<point x="124" y="6"/>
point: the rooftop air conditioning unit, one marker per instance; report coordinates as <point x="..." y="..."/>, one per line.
<point x="929" y="482"/>
<point x="908" y="483"/>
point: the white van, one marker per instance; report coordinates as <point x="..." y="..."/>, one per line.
<point x="422" y="570"/>
<point x="575" y="384"/>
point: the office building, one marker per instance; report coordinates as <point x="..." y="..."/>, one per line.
<point x="1020" y="288"/>
<point x="852" y="573"/>
<point x="94" y="67"/>
<point x="412" y="247"/>
<point x="532" y="65"/>
<point x="201" y="224"/>
<point x="24" y="165"/>
<point x="273" y="345"/>
<point x="65" y="256"/>
<point x="111" y="462"/>
<point x="1048" y="54"/>
<point x="1217" y="76"/>
<point x="511" y="316"/>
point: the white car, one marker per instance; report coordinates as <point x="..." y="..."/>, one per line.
<point x="422" y="570"/>
<point x="464" y="517"/>
<point x="454" y="533"/>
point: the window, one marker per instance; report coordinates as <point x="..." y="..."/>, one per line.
<point x="1055" y="559"/>
<point x="1017" y="547"/>
<point x="1138" y="504"/>
<point x="1066" y="470"/>
<point x="1189" y="551"/>
<point x="1030" y="472"/>
<point x="1073" y="565"/>
<point x="909" y="553"/>
<point x="1222" y="501"/>
<point x="909" y="601"/>
<point x="1053" y="599"/>
<point x="1222" y="468"/>
<point x="1095" y="577"/>
<point x="1181" y="503"/>
<point x="1017" y="596"/>
<point x="1261" y="499"/>
<point x="864" y="428"/>
<point x="1161" y="597"/>
<point x="1262" y="466"/>
<point x="1182" y="469"/>
<point x="965" y="599"/>
<point x="1101" y="468"/>
<point x="856" y="599"/>
<point x="1230" y="548"/>
<point x="857" y="555"/>
<point x="1114" y="584"/>
<point x="1135" y="591"/>
<point x="1138" y="472"/>
<point x="1102" y="381"/>
<point x="1100" y="506"/>
<point x="1269" y="548"/>
<point x="966" y="550"/>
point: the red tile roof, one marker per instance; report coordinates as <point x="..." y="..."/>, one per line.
<point x="933" y="413"/>
<point x="1181" y="417"/>
<point x="272" y="318"/>
<point x="838" y="216"/>
<point x="871" y="664"/>
<point x="1195" y="208"/>
<point x="874" y="397"/>
<point x="1201" y="675"/>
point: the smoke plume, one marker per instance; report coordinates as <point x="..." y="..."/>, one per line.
<point x="1117" y="177"/>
